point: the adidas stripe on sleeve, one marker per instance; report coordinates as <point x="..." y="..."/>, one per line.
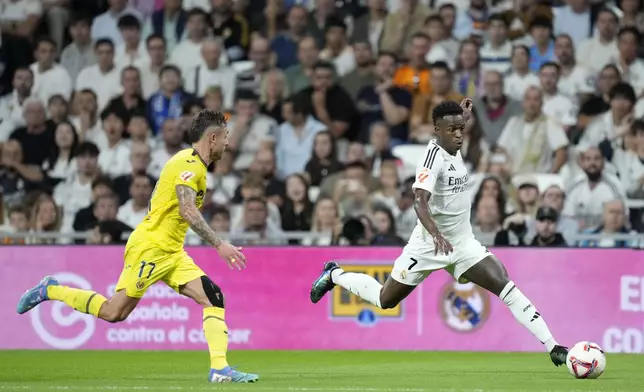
<point x="428" y="169"/>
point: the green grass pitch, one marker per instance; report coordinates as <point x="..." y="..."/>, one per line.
<point x="294" y="371"/>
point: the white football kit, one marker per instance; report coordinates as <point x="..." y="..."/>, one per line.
<point x="446" y="177"/>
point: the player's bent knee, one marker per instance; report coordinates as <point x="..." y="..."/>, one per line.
<point x="213" y="292"/>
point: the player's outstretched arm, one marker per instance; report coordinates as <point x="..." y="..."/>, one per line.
<point x="421" y="206"/>
<point x="188" y="210"/>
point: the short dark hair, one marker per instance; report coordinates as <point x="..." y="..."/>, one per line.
<point x="521" y="47"/>
<point x="298" y="105"/>
<point x="447" y="6"/>
<point x="129" y="22"/>
<point x="102" y="180"/>
<point x="18" y="209"/>
<point x="323" y="65"/>
<point x="393" y="55"/>
<point x="608" y="11"/>
<point x="550" y="64"/>
<point x="246" y="95"/>
<point x="152" y="37"/>
<point x="80" y="18"/>
<point x="255" y="199"/>
<point x="221" y="210"/>
<point x="629" y="30"/>
<point x="637" y="127"/>
<point x="103" y="41"/>
<point x="499" y="18"/>
<point x="87" y="148"/>
<point x="88" y="91"/>
<point x="130" y="68"/>
<point x="541" y="21"/>
<point x="188" y="105"/>
<point x="169" y="67"/>
<point x="623" y="90"/>
<point x="204" y="120"/>
<point x="442" y="66"/>
<point x="433" y="18"/>
<point x="420" y="35"/>
<point x="45" y="40"/>
<point x="446" y="108"/>
<point x="334" y="21"/>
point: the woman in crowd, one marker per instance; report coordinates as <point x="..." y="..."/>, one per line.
<point x="273" y="92"/>
<point x="387" y="195"/>
<point x="58" y="109"/>
<point x="324" y="160"/>
<point x="492" y="187"/>
<point x="46" y="217"/>
<point x="385" y="228"/>
<point x="297" y="209"/>
<point x="61" y="162"/>
<point x="325" y="224"/>
<point x="467" y="76"/>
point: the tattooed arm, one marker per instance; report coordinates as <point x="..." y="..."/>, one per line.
<point x="188" y="211"/>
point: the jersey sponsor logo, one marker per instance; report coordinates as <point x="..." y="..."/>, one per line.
<point x="186" y="175"/>
<point x="464" y="307"/>
<point x="58" y="327"/>
<point x="458" y="184"/>
<point x="423" y="176"/>
<point x="346" y="306"/>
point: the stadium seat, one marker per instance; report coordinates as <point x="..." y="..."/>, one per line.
<point x="409" y="155"/>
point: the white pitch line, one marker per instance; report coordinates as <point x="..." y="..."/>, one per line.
<point x="211" y="387"/>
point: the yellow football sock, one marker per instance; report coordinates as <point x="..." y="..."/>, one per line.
<point x="84" y="301"/>
<point x="216" y="334"/>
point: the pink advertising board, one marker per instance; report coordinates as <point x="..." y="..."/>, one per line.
<point x="595" y="295"/>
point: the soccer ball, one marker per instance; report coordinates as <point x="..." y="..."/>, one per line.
<point x="586" y="360"/>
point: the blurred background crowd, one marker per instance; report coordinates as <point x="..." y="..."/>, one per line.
<point x="329" y="106"/>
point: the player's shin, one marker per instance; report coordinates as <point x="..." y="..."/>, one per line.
<point x="84" y="301"/>
<point x="216" y="333"/>
<point x="527" y="314"/>
<point x="362" y="285"/>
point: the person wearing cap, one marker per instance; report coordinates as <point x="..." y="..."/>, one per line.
<point x="546" y="226"/>
<point x="554" y="197"/>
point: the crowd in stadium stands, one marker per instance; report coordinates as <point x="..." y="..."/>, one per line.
<point x="325" y="98"/>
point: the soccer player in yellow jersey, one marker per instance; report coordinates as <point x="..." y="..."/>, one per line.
<point x="155" y="251"/>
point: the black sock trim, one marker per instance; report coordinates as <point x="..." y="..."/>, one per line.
<point x="508" y="293"/>
<point x="213" y="317"/>
<point x="88" y="302"/>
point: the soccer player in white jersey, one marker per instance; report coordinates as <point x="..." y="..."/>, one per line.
<point x="443" y="237"/>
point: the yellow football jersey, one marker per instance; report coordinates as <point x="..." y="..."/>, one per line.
<point x="163" y="227"/>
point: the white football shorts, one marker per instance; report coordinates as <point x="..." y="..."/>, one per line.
<point x="418" y="260"/>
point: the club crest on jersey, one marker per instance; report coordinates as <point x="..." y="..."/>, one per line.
<point x="186" y="175"/>
<point x="464" y="307"/>
<point x="346" y="306"/>
<point x="423" y="176"/>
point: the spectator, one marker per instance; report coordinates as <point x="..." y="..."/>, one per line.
<point x="295" y="139"/>
<point x="415" y="75"/>
<point x="46" y="217"/>
<point x="488" y="220"/>
<point x="87" y="122"/>
<point x="384" y="102"/>
<point x="109" y="232"/>
<point x="323" y="10"/>
<point x="130" y="102"/>
<point x="599" y="103"/>
<point x="337" y="51"/>
<point x="600" y="50"/>
<point x="421" y="124"/>
<point x="264" y="166"/>
<point x="543" y="49"/>
<point x="324" y="224"/>
<point x="211" y="73"/>
<point x="58" y="109"/>
<point x="369" y="27"/>
<point x="493" y="109"/>
<point x="18" y="223"/>
<point x="16" y="176"/>
<point x="613" y="222"/>
<point x="76" y="191"/>
<point x="168" y="22"/>
<point x="387" y="194"/>
<point x="50" y="78"/>
<point x="440" y="48"/>
<point x="590" y="190"/>
<point x="79" y="53"/>
<point x="12" y="104"/>
<point x="491" y="186"/>
<point x="260" y="55"/>
<point x="37" y="136"/>
<point x="497" y="50"/>
<point x="298" y="209"/>
<point x="254" y="185"/>
<point x="220" y="220"/>
<point x="136" y="208"/>
<point x="102" y="78"/>
<point x="324" y="160"/>
<point x="353" y="169"/>
<point x="329" y="103"/>
<point x="526" y="149"/>
<point x="547" y="234"/>
<point x="363" y="74"/>
<point x="631" y="68"/>
<point x="526" y="198"/>
<point x="576" y="81"/>
<point x="412" y="15"/>
<point x="574" y="19"/>
<point x="132" y="50"/>
<point x="167" y="103"/>
<point x="555" y="105"/>
<point x="61" y="163"/>
<point x="232" y="26"/>
<point x="380" y="140"/>
<point x="273" y="92"/>
<point x="140" y="157"/>
<point x="225" y="181"/>
<point x="467" y="78"/>
<point x="255" y="221"/>
<point x="113" y="160"/>
<point x="633" y="171"/>
<point x="285" y="44"/>
<point x="105" y="26"/>
<point x="249" y="130"/>
<point x="152" y="65"/>
<point x="172" y="137"/>
<point x="20" y="18"/>
<point x="450" y="41"/>
<point x="187" y="54"/>
<point x="632" y="15"/>
<point x="385" y="229"/>
<point x="105" y="209"/>
<point x="351" y="193"/>
<point x="520" y="76"/>
<point x="568" y="226"/>
<point x="298" y="76"/>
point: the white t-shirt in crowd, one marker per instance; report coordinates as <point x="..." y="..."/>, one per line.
<point x="581" y="80"/>
<point x="445" y="176"/>
<point x="19" y="11"/>
<point x="560" y="108"/>
<point x="514" y="85"/>
<point x="596" y="55"/>
<point x="73" y="196"/>
<point x="123" y="59"/>
<point x="200" y="78"/>
<point x="131" y="217"/>
<point x="159" y="158"/>
<point x="11" y="115"/>
<point x="105" y="85"/>
<point x="344" y="63"/>
<point x="115" y="161"/>
<point x="54" y="81"/>
<point x="633" y="74"/>
<point x="588" y="203"/>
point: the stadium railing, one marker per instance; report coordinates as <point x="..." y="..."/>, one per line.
<point x="636" y="240"/>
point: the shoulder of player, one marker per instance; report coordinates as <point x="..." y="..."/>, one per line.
<point x="435" y="157"/>
<point x="186" y="160"/>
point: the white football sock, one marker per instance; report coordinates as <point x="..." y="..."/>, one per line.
<point x="527" y="314"/>
<point x="364" y="286"/>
